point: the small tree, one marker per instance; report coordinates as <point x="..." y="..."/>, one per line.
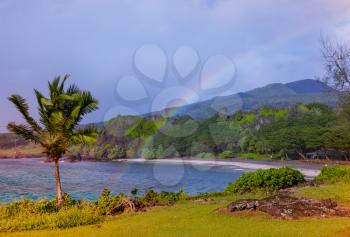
<point x="337" y="63"/>
<point x="57" y="129"/>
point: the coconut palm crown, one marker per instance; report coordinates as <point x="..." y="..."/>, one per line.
<point x="58" y="127"/>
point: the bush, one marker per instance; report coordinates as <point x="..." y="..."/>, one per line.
<point x="64" y="218"/>
<point x="153" y="198"/>
<point x="45" y="214"/>
<point x="333" y="174"/>
<point x="205" y="155"/>
<point x="116" y="152"/>
<point x="154" y="153"/>
<point x="149" y="154"/>
<point x="226" y="154"/>
<point x="112" y="205"/>
<point x="267" y="180"/>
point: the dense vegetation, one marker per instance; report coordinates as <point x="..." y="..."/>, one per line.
<point x="47" y="214"/>
<point x="267" y="180"/>
<point x="301" y="131"/>
<point x="333" y="174"/>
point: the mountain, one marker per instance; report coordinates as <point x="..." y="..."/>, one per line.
<point x="272" y="95"/>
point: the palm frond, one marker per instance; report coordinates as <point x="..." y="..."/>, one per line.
<point x="73" y="89"/>
<point x="53" y="88"/>
<point x="88" y="103"/>
<point x="82" y="104"/>
<point x="24" y="131"/>
<point x="61" y="88"/>
<point x="23" y="108"/>
<point x="85" y="135"/>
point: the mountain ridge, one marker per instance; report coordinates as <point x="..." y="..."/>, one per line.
<point x="272" y="95"/>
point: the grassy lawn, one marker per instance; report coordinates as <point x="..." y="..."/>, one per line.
<point x="338" y="192"/>
<point x="189" y="218"/>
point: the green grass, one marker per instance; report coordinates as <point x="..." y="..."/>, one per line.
<point x="334" y="174"/>
<point x="189" y="218"/>
<point x="339" y="192"/>
<point x="62" y="219"/>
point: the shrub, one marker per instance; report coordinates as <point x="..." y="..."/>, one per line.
<point x="205" y="155"/>
<point x="153" y="153"/>
<point x="45" y="214"/>
<point x="226" y="154"/>
<point x="99" y="152"/>
<point x="112" y="205"/>
<point x="333" y="174"/>
<point x="71" y="217"/>
<point x="152" y="198"/>
<point x="64" y="218"/>
<point x="149" y="154"/>
<point x="27" y="207"/>
<point x="116" y="152"/>
<point x="267" y="180"/>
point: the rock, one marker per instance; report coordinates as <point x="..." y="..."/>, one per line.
<point x="285" y="206"/>
<point x="242" y="205"/>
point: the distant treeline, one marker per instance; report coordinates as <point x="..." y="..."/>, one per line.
<point x="299" y="132"/>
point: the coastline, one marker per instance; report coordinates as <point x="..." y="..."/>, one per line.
<point x="309" y="170"/>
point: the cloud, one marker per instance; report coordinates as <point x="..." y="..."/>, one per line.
<point x="95" y="40"/>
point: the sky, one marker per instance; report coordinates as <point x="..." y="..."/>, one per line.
<point x="139" y="56"/>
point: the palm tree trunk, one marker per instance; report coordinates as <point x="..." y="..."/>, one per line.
<point x="59" y="195"/>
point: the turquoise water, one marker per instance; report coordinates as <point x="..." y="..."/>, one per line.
<point x="33" y="179"/>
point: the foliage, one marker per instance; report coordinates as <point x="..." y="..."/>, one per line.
<point x="226" y="154"/>
<point x="267" y="180"/>
<point x="256" y="156"/>
<point x="47" y="214"/>
<point x="152" y="198"/>
<point x="279" y="133"/>
<point x="60" y="114"/>
<point x="332" y="174"/>
<point x="205" y="155"/>
<point x="149" y="154"/>
<point x="116" y="152"/>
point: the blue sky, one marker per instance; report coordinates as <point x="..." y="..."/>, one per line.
<point x="95" y="42"/>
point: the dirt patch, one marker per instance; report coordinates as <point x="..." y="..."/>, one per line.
<point x="285" y="206"/>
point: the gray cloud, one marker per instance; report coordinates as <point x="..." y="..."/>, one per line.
<point x="94" y="41"/>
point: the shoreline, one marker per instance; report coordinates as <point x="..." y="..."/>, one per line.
<point x="309" y="170"/>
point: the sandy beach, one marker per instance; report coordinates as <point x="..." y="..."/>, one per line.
<point x="309" y="170"/>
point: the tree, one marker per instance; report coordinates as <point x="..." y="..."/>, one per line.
<point x="57" y="129"/>
<point x="337" y="63"/>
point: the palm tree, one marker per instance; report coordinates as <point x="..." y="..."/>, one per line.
<point x="58" y="127"/>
